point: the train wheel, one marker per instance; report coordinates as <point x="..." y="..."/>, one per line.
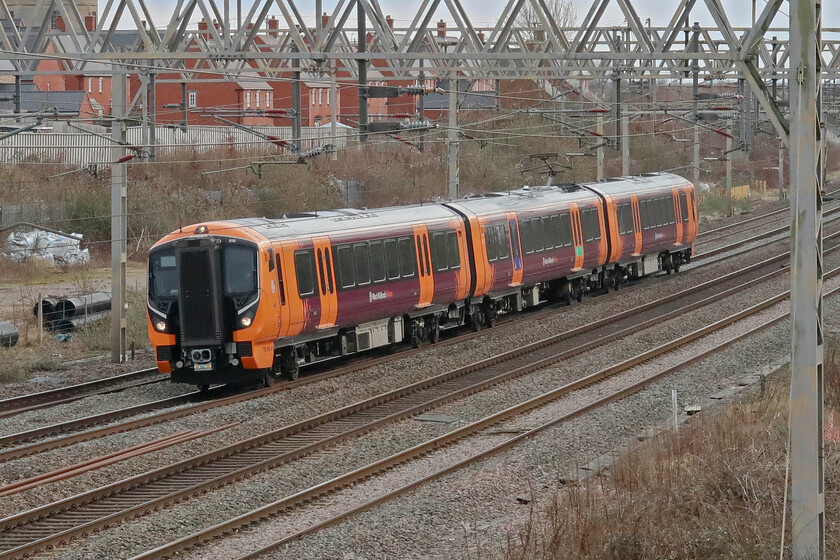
<point x="416" y="335"/>
<point x="677" y="263"/>
<point x="434" y="329"/>
<point x="579" y="291"/>
<point x="476" y="319"/>
<point x="268" y="377"/>
<point x="667" y="264"/>
<point x="566" y="293"/>
<point x="288" y="365"/>
<point x="489" y="313"/>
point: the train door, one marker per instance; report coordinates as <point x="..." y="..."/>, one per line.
<point x="677" y="214"/>
<point x="325" y="282"/>
<point x="577" y="235"/>
<point x="515" y="249"/>
<point x="637" y="224"/>
<point x="424" y="266"/>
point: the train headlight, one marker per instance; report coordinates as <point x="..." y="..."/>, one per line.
<point x="160" y="326"/>
<point x="245" y="321"/>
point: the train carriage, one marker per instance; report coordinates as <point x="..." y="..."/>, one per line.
<point x="239" y="301"/>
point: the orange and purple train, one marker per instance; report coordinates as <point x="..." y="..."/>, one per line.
<point x="242" y="301"/>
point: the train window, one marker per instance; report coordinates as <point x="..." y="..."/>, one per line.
<point x="407" y="257"/>
<point x="527" y="239"/>
<point x="452" y="250"/>
<point x="240" y="270"/>
<point x="439" y="258"/>
<point x="621" y="216"/>
<point x="422" y="269"/>
<point x="537" y="231"/>
<point x="428" y="266"/>
<point x="565" y="230"/>
<point x="392" y="259"/>
<point x="362" y="258"/>
<point x="587" y="224"/>
<point x="304" y="261"/>
<point x="322" y="276"/>
<point x="281" y="289"/>
<point x="647" y="219"/>
<point x="328" y="265"/>
<point x="684" y="207"/>
<point x="492" y="244"/>
<point x="547" y="238"/>
<point x="504" y="242"/>
<point x="377" y="261"/>
<point x="553" y="231"/>
<point x="346" y="273"/>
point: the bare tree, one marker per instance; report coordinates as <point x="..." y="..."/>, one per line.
<point x="562" y="11"/>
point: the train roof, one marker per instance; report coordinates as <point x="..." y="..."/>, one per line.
<point x="309" y="224"/>
<point x="636" y="184"/>
<point x="535" y="198"/>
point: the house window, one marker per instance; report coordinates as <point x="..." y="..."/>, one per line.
<point x="192" y="99"/>
<point x="312" y="97"/>
<point x="257" y="96"/>
<point x="90" y="85"/>
<point x="247" y="98"/>
<point x="268" y="99"/>
<point x="320" y="96"/>
<point x="100" y="85"/>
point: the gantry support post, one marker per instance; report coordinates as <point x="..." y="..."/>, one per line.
<point x="119" y="221"/>
<point x="361" y="48"/>
<point x="452" y="143"/>
<point x="152" y="115"/>
<point x="729" y="151"/>
<point x="599" y="151"/>
<point x="625" y="146"/>
<point x="617" y="114"/>
<point x="782" y="195"/>
<point x="806" y="384"/>
<point x="296" y="104"/>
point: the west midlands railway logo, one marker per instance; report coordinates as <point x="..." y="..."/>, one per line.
<point x="376" y="296"/>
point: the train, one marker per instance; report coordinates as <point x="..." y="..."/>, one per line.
<point x="247" y="300"/>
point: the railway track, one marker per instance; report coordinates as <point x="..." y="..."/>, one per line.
<point x="53" y="524"/>
<point x="63" y="395"/>
<point x="291" y="505"/>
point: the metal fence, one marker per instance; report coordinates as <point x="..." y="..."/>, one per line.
<point x="81" y="149"/>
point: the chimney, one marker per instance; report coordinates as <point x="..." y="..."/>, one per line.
<point x="273" y="26"/>
<point x="390" y="21"/>
<point x="216" y="25"/>
<point x="481" y="36"/>
<point x="325" y="19"/>
<point x="441" y="25"/>
<point x="202" y="26"/>
<point x="90" y="21"/>
<point x="250" y="26"/>
<point x="59" y="23"/>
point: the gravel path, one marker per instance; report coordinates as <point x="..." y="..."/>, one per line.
<point x="238" y="498"/>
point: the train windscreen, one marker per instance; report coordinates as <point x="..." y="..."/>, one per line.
<point x="163" y="275"/>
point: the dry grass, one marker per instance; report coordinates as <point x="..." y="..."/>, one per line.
<point x="713" y="491"/>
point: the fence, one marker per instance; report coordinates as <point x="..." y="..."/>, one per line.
<point x="81" y="149"/>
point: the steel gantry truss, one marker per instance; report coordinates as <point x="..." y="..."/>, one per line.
<point x="127" y="33"/>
